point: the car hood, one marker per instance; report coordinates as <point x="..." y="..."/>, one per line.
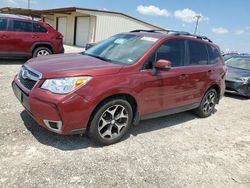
<point x="55" y="66"/>
<point x="235" y="74"/>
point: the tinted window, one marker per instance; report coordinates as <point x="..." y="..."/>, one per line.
<point x="22" y="26"/>
<point x="149" y="63"/>
<point x="3" y="24"/>
<point x="214" y="55"/>
<point x="37" y="28"/>
<point x="173" y="51"/>
<point x="197" y="53"/>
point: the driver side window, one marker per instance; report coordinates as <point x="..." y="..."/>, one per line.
<point x="173" y="50"/>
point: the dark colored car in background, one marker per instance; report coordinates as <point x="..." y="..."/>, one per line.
<point x="126" y="78"/>
<point x="23" y="37"/>
<point x="89" y="45"/>
<point x="238" y="77"/>
<point x="229" y="55"/>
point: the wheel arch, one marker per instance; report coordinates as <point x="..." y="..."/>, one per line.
<point x="42" y="44"/>
<point x="128" y="97"/>
<point x="218" y="90"/>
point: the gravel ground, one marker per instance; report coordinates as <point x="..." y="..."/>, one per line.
<point x="176" y="151"/>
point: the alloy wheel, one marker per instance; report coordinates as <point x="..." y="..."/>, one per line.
<point x="112" y="122"/>
<point x="209" y="103"/>
<point x="42" y="53"/>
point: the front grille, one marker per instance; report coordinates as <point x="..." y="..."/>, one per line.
<point x="28" y="77"/>
<point x="29" y="84"/>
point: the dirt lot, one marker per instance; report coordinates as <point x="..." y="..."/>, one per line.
<point x="175" y="151"/>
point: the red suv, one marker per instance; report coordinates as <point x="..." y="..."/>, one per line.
<point x="126" y="78"/>
<point x="23" y="37"/>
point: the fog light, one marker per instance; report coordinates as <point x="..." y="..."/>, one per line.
<point x="53" y="125"/>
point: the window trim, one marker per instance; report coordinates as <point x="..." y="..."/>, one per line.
<point x="11" y="26"/>
<point x="188" y="55"/>
<point x="33" y="23"/>
<point x="155" y="51"/>
<point x="218" y="51"/>
<point x="6" y="28"/>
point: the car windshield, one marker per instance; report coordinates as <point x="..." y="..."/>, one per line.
<point x="122" y="48"/>
<point x="239" y="62"/>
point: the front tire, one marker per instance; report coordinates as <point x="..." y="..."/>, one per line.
<point x="111" y="121"/>
<point x="208" y="103"/>
<point x="41" y="51"/>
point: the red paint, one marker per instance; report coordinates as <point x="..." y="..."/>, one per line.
<point x="23" y="43"/>
<point x="163" y="64"/>
<point x="176" y="87"/>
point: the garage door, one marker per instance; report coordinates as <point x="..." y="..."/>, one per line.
<point x="62" y="25"/>
<point x="82" y="31"/>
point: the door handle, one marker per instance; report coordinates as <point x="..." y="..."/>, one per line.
<point x="4" y="37"/>
<point x="210" y="71"/>
<point x="35" y="37"/>
<point x="183" y="76"/>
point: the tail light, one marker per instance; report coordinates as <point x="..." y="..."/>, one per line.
<point x="60" y="37"/>
<point x="224" y="71"/>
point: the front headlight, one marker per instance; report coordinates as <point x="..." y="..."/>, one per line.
<point x="245" y="79"/>
<point x="65" y="85"/>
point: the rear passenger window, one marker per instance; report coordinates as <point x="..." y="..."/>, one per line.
<point x="22" y="26"/>
<point x="197" y="53"/>
<point x="214" y="54"/>
<point x="37" y="28"/>
<point x="3" y="24"/>
<point x="174" y="51"/>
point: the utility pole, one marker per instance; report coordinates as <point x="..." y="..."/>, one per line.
<point x="28" y="4"/>
<point x="198" y="17"/>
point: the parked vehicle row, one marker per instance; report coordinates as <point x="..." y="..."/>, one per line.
<point x="21" y="37"/>
<point x="122" y="80"/>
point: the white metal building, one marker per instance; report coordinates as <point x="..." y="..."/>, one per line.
<point x="80" y="25"/>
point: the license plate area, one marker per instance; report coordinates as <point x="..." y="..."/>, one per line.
<point x="22" y="97"/>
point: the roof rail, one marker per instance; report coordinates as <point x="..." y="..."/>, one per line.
<point x="15" y="16"/>
<point x="173" y="32"/>
<point x="146" y="31"/>
<point x="196" y="36"/>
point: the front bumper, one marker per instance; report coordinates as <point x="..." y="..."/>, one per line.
<point x="238" y="88"/>
<point x="71" y="113"/>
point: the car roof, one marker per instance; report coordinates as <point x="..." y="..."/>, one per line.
<point x="145" y="34"/>
<point x="238" y="56"/>
<point x="19" y="17"/>
<point x="159" y="34"/>
<point x="243" y="56"/>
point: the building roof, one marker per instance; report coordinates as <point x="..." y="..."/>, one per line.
<point x="66" y="10"/>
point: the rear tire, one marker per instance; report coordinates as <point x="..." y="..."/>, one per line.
<point x="111" y="121"/>
<point x="207" y="104"/>
<point x="41" y="51"/>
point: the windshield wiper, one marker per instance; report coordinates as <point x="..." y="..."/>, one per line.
<point x="98" y="57"/>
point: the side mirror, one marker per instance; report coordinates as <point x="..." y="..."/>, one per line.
<point x="163" y="65"/>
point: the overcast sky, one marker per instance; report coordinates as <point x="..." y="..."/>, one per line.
<point x="227" y="23"/>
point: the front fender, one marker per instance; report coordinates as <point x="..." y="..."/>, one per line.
<point x="102" y="87"/>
